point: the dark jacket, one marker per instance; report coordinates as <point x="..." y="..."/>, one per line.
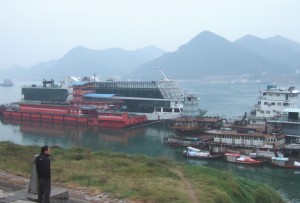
<point x="43" y="166"/>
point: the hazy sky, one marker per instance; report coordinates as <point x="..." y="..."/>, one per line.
<point x="33" y="31"/>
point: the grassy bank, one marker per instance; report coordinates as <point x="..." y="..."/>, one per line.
<point x="138" y="177"/>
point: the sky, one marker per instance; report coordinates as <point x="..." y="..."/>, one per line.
<point x="34" y="31"/>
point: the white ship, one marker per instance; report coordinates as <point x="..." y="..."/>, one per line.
<point x="272" y="102"/>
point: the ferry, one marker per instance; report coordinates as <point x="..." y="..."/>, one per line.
<point x="272" y="102"/>
<point x="7" y="83"/>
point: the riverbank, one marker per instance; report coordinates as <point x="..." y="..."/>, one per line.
<point x="137" y="178"/>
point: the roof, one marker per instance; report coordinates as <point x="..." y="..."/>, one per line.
<point x="292" y="110"/>
<point x="232" y="154"/>
<point x="99" y="95"/>
<point x="79" y="83"/>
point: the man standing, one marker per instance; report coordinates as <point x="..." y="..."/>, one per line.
<point x="44" y="175"/>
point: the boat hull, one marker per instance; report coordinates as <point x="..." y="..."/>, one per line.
<point x="72" y="116"/>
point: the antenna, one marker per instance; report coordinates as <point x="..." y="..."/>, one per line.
<point x="165" y="78"/>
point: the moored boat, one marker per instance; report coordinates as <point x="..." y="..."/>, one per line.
<point x="199" y="154"/>
<point x="71" y="115"/>
<point x="7" y="83"/>
<point x="272" y="102"/>
<point x="181" y="142"/>
<point x="241" y="159"/>
<point x="285" y="162"/>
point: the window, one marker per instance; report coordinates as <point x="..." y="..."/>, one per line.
<point x="265" y="103"/>
<point x="273" y="103"/>
<point x="267" y="112"/>
<point x="176" y="110"/>
<point x="278" y="104"/>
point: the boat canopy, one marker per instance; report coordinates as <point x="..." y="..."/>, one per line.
<point x="232" y="154"/>
<point x="193" y="149"/>
<point x="79" y="83"/>
<point x="291" y="110"/>
<point x="99" y="95"/>
<point x="280" y="158"/>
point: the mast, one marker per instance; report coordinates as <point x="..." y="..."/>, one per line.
<point x="165" y="78"/>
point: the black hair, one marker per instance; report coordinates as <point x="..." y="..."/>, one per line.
<point x="44" y="148"/>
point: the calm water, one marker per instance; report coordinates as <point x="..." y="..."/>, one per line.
<point x="219" y="99"/>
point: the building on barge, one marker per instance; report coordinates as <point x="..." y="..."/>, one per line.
<point x="247" y="139"/>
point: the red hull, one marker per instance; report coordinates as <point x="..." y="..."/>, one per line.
<point x="246" y="163"/>
<point x="70" y="115"/>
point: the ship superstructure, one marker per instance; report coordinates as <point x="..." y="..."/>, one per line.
<point x="156" y="99"/>
<point x="272" y="102"/>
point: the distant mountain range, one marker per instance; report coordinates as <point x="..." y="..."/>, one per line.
<point x="208" y="57"/>
<point x="81" y="61"/>
<point x="211" y="58"/>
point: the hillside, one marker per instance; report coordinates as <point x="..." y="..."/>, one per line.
<point x="211" y="56"/>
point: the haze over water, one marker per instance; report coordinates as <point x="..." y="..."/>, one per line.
<point x="229" y="100"/>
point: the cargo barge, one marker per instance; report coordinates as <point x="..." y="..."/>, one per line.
<point x="71" y="115"/>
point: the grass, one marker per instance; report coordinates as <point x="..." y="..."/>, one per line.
<point x="137" y="177"/>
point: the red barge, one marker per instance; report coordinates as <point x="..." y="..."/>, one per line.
<point x="72" y="115"/>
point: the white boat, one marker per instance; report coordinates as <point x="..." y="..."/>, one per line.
<point x="7" y="83"/>
<point x="272" y="102"/>
<point x="284" y="162"/>
<point x="197" y="153"/>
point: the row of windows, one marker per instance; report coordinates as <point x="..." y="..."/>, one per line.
<point x="278" y="95"/>
<point x="278" y="104"/>
<point x="138" y="85"/>
<point x="240" y="137"/>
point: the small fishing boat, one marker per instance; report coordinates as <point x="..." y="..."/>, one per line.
<point x="199" y="154"/>
<point x="284" y="162"/>
<point x="241" y="159"/>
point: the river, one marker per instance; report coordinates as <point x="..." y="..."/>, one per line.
<point x="228" y="100"/>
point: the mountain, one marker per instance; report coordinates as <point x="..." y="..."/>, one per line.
<point x="285" y="42"/>
<point x="81" y="61"/>
<point x="276" y="49"/>
<point x="207" y="57"/>
<point x="14" y="72"/>
<point x="210" y="56"/>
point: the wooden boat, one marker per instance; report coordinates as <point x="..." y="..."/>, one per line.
<point x="199" y="154"/>
<point x="180" y="143"/>
<point x="241" y="159"/>
<point x="284" y="162"/>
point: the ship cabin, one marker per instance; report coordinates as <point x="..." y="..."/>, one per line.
<point x="272" y="102"/>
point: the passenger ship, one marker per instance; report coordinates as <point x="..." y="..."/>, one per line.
<point x="272" y="102"/>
